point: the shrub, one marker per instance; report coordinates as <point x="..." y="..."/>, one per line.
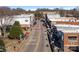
<point x="16" y="31"/>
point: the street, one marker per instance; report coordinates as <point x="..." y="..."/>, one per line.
<point x="37" y="41"/>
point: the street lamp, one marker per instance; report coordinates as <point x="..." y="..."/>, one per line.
<point x="20" y="38"/>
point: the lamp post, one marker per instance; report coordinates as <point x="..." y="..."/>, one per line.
<point x="20" y="38"/>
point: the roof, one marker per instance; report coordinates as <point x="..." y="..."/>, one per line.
<point x="64" y="19"/>
<point x="53" y="16"/>
<point x="24" y="18"/>
<point x="66" y="23"/>
<point x="68" y="28"/>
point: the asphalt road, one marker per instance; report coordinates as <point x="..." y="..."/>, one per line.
<point x="37" y="41"/>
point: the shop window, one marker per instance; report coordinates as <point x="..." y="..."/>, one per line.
<point x="72" y="37"/>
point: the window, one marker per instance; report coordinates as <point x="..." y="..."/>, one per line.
<point x="72" y="40"/>
<point x="72" y="37"/>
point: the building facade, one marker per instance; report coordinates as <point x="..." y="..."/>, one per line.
<point x="70" y="27"/>
<point x="25" y="20"/>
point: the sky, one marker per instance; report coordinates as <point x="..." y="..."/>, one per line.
<point x="35" y="7"/>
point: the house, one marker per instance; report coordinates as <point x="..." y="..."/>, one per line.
<point x="25" y="20"/>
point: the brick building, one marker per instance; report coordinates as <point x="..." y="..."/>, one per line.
<point x="70" y="27"/>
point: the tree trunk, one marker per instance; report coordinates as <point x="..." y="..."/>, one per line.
<point x="3" y="32"/>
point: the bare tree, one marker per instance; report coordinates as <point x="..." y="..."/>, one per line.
<point x="4" y="22"/>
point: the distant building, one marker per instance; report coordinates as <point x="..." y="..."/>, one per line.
<point x="48" y="12"/>
<point x="53" y="16"/>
